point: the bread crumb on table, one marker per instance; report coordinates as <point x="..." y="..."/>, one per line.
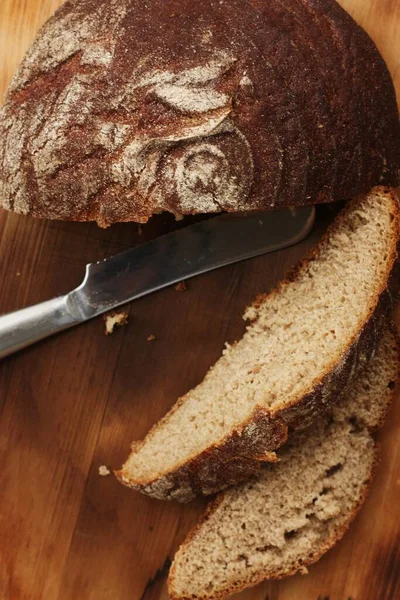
<point x="303" y="570"/>
<point x="181" y="286"/>
<point x="115" y="319"/>
<point x="151" y="338"/>
<point x="104" y="471"/>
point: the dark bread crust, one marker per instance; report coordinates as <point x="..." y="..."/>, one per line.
<point x="369" y="77"/>
<point x="276" y="50"/>
<point x="239" y="455"/>
<point x="320" y="550"/>
<point x="122" y="109"/>
<point x="287" y="37"/>
<point x="339" y="87"/>
<point x="86" y="164"/>
<point x="345" y="92"/>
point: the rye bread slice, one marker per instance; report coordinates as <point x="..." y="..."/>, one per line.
<point x="305" y="341"/>
<point x="296" y="510"/>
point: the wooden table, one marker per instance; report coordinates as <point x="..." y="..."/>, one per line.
<point x="75" y="402"/>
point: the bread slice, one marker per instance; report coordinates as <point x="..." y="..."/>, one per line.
<point x="305" y="341"/>
<point x="295" y="510"/>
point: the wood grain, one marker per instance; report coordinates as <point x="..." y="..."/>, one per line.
<point x="75" y="402"/>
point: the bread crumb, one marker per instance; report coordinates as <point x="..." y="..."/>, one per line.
<point x="104" y="471"/>
<point x="17" y="274"/>
<point x="151" y="338"/>
<point x="115" y="319"/>
<point x="303" y="571"/>
<point x="181" y="286"/>
<point x="139" y="229"/>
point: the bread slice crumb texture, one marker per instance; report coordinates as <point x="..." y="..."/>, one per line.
<point x="296" y="509"/>
<point x="299" y="334"/>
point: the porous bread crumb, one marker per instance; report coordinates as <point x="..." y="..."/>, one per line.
<point x="104" y="471"/>
<point x="181" y="286"/>
<point x="297" y="336"/>
<point x="296" y="510"/>
<point x="115" y="319"/>
<point x="151" y="338"/>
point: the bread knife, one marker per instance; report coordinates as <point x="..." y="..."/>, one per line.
<point x="168" y="259"/>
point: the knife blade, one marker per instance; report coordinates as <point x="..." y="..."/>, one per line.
<point x="166" y="260"/>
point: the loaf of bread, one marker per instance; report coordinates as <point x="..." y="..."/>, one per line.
<point x="305" y="341"/>
<point x="297" y="509"/>
<point x="122" y="109"/>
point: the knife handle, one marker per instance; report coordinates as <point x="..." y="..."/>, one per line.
<point x="24" y="327"/>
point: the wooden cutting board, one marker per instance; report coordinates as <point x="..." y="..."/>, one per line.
<point x="75" y="402"/>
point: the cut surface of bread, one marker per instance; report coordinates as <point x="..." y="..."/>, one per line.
<point x="305" y="341"/>
<point x="295" y="510"/>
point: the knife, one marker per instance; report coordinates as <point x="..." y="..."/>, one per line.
<point x="166" y="260"/>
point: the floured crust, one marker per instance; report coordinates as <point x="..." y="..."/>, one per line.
<point x="238" y="455"/>
<point x="112" y="118"/>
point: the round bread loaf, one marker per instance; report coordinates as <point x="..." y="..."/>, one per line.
<point x="122" y="109"/>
